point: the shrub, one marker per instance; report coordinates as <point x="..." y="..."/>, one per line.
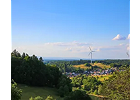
<point x="50" y="98"/>
<point x="77" y="95"/>
<point x="15" y="92"/>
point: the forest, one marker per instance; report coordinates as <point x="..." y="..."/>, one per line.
<point x="33" y="71"/>
<point x="67" y="66"/>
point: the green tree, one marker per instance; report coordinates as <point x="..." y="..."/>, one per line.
<point x="95" y="92"/>
<point x="36" y="98"/>
<point x="40" y="59"/>
<point x="31" y="98"/>
<point x="99" y="89"/>
<point x="66" y="90"/>
<point x="50" y="98"/>
<point x="61" y="91"/>
<point x="15" y="92"/>
<point x="117" y="87"/>
<point x="77" y="95"/>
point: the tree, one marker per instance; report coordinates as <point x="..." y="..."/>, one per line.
<point x="66" y="90"/>
<point x="40" y="59"/>
<point x="99" y="89"/>
<point x="87" y="64"/>
<point x="118" y="86"/>
<point x="95" y="92"/>
<point x="61" y="91"/>
<point x="36" y="98"/>
<point x="30" y="70"/>
<point x="77" y="95"/>
<point x="15" y="92"/>
<point x="50" y="98"/>
<point x="23" y="55"/>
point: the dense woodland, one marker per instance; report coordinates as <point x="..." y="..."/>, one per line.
<point x="32" y="71"/>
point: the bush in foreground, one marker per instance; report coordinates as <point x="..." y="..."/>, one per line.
<point x="15" y="92"/>
<point x="41" y="98"/>
<point x="77" y="95"/>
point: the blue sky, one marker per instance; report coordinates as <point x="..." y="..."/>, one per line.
<point x="66" y="28"/>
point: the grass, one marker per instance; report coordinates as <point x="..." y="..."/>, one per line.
<point x="103" y="77"/>
<point x="103" y="66"/>
<point x="28" y="91"/>
<point x="81" y="66"/>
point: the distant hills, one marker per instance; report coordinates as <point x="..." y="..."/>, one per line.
<point x="67" y="58"/>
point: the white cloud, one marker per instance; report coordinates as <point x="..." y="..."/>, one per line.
<point x="74" y="43"/>
<point x="118" y="37"/>
<point x="128" y="47"/>
<point x="71" y="49"/>
<point x="128" y="36"/>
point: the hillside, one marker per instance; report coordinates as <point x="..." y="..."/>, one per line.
<point x="28" y="91"/>
<point x="95" y="64"/>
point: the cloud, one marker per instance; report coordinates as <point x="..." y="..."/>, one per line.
<point x="118" y="37"/>
<point x="74" y="43"/>
<point x="121" y="44"/>
<point x="128" y="47"/>
<point x="128" y="36"/>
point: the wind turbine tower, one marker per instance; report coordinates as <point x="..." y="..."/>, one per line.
<point x="91" y="53"/>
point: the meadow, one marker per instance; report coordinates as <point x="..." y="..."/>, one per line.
<point x="103" y="66"/>
<point x="29" y="91"/>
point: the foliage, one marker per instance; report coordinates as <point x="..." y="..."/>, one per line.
<point x="36" y="98"/>
<point x="41" y="98"/>
<point x="50" y="98"/>
<point x="87" y="83"/>
<point x="28" y="91"/>
<point x="115" y="63"/>
<point x="15" y="92"/>
<point x="32" y="71"/>
<point x="64" y="86"/>
<point x="117" y="87"/>
<point x="95" y="92"/>
<point x="87" y="64"/>
<point x="77" y="95"/>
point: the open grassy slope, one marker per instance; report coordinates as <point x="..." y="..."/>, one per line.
<point x="81" y="66"/>
<point x="28" y="91"/>
<point x="101" y="65"/>
<point x="95" y="64"/>
<point x="103" y="77"/>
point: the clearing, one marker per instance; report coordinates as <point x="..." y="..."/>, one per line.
<point x="29" y="91"/>
<point x="103" y="66"/>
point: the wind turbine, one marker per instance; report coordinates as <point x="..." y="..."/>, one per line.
<point x="127" y="54"/>
<point x="91" y="53"/>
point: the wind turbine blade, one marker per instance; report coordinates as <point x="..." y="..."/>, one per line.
<point x="90" y="49"/>
<point x="89" y="53"/>
<point x="127" y="54"/>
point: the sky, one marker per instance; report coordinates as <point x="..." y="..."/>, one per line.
<point x="67" y="28"/>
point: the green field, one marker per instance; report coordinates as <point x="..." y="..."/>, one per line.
<point x="28" y="91"/>
<point x="103" y="66"/>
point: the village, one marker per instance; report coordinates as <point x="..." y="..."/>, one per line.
<point x="94" y="72"/>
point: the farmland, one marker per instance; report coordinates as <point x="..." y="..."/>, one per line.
<point x="83" y="66"/>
